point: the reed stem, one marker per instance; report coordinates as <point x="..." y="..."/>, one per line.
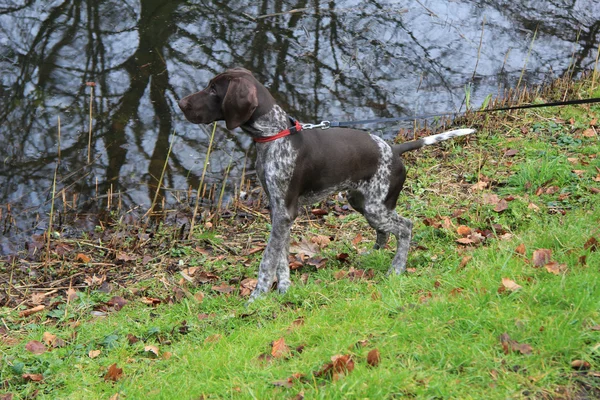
<point x="210" y="143"/>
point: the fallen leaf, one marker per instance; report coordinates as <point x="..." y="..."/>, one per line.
<point x="579" y="172"/>
<point x="541" y="257"/>
<point x="501" y="206"/>
<point x="199" y="296"/>
<point x="296" y="323"/>
<point x="479" y="186"/>
<point x="465" y="260"/>
<point x="205" y="277"/>
<point x="279" y="349"/>
<point x="52" y="340"/>
<point x="357" y="239"/>
<point x="465" y="241"/>
<point x="223" y="288"/>
<point x="342" y="257"/>
<point x="509" y="344"/>
<point x="151" y="301"/>
<point x="94" y="353"/>
<point x="122" y="256"/>
<point x="114" y="373"/>
<point x="320" y="240"/>
<point x="33" y="377"/>
<point x="71" y="294"/>
<point x="520" y="249"/>
<point x="317" y="262"/>
<point x="117" y="302"/>
<point x="318" y="211"/>
<point x="490" y="198"/>
<point x="83" y="258"/>
<point x="151" y="349"/>
<point x="463" y="230"/>
<point x="510" y="152"/>
<point x="591" y="244"/>
<point x="132" y="339"/>
<point x="589" y="132"/>
<point x="511" y="285"/>
<point x="374" y="358"/>
<point x="580" y="365"/>
<point x="26" y="313"/>
<point x="247" y="286"/>
<point x="555" y="268"/>
<point x="35" y="347"/>
<point x="308" y="249"/>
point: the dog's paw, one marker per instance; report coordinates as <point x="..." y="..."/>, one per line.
<point x="283" y="286"/>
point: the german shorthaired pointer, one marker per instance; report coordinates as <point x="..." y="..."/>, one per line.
<point x="298" y="168"/>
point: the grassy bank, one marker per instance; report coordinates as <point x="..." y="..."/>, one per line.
<point x="501" y="299"/>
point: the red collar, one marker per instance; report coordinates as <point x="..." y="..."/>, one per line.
<point x="286" y="132"/>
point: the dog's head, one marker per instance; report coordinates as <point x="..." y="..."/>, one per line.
<point x="232" y="96"/>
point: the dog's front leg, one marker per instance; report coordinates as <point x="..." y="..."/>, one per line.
<point x="275" y="257"/>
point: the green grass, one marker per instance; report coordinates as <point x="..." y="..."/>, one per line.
<point x="436" y="327"/>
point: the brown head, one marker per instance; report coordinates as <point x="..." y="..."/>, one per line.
<point x="234" y="96"/>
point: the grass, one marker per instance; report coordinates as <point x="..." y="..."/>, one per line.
<point x="437" y="328"/>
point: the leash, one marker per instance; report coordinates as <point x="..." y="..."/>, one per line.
<point x="328" y="124"/>
<point x="297" y="127"/>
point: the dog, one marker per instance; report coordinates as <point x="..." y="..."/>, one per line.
<point x="299" y="166"/>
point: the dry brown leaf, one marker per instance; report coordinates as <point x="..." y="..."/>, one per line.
<point x="26" y="313"/>
<point x="357" y="239"/>
<point x="48" y="338"/>
<point x="296" y="323"/>
<point x="223" y="288"/>
<point x="33" y="377"/>
<point x="520" y="249"/>
<point x="94" y="353"/>
<point x="465" y="260"/>
<point x="247" y="286"/>
<point x="35" y="347"/>
<point x="463" y="230"/>
<point x="199" y="296"/>
<point x="511" y="285"/>
<point x="465" y="241"/>
<point x="117" y="302"/>
<point x="374" y="358"/>
<point x="320" y="240"/>
<point x="590" y="133"/>
<point x="556" y="268"/>
<point x="479" y="186"/>
<point x="279" y="348"/>
<point x="502" y="205"/>
<point x="83" y="258"/>
<point x="151" y="349"/>
<point x="114" y="373"/>
<point x="580" y="365"/>
<point x="541" y="257"/>
<point x="591" y="244"/>
<point x="305" y="248"/>
<point x="509" y="345"/>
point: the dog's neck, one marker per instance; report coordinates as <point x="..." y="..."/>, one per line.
<point x="268" y="124"/>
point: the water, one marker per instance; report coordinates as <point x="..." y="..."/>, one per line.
<point x="340" y="60"/>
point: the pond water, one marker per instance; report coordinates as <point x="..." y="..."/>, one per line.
<point x="340" y="60"/>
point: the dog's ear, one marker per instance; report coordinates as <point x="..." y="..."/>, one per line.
<point x="239" y="102"/>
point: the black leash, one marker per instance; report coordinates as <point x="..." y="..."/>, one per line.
<point x="426" y="116"/>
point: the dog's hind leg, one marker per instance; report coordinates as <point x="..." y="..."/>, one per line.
<point x="386" y="221"/>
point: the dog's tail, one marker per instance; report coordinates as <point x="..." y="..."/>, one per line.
<point x="428" y="140"/>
